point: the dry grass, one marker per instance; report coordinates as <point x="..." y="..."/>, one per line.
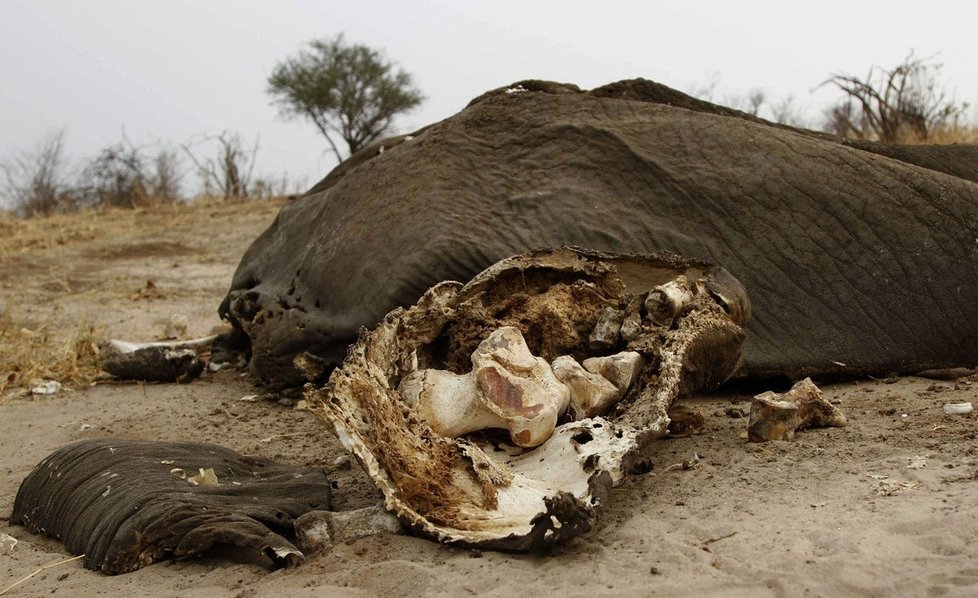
<point x="46" y="352"/>
<point x="957" y="134"/>
<point x="68" y="280"/>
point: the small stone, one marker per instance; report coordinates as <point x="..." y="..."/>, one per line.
<point x="621" y="369"/>
<point x="359" y="523"/>
<point x="45" y="387"/>
<point x="313" y="368"/>
<point x="312" y="532"/>
<point x="958" y="408"/>
<point x="343" y="462"/>
<point x="317" y="531"/>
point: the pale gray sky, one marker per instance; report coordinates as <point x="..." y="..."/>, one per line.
<point x="171" y="70"/>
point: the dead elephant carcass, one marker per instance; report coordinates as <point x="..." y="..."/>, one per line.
<point x="498" y="414"/>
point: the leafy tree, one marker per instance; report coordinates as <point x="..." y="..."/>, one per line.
<point x="347" y="90"/>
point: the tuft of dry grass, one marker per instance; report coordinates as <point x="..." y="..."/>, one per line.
<point x="47" y="352"/>
<point x="955" y="134"/>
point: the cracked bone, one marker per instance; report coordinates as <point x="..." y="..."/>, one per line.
<point x="590" y="394"/>
<point x="776" y="416"/>
<point x="621" y="369"/>
<point x="667" y="301"/>
<point x="599" y="382"/>
<point x="508" y="388"/>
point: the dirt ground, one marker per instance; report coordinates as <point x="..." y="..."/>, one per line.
<point x="884" y="506"/>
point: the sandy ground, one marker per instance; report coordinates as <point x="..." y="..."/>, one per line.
<point x="884" y="506"/>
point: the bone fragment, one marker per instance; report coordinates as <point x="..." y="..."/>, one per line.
<point x="778" y="417"/>
<point x="607" y="330"/>
<point x="7" y="543"/>
<point x="666" y="302"/>
<point x="597" y="383"/>
<point x="45" y="387"/>
<point x="161" y="362"/>
<point x="631" y="325"/>
<point x="621" y="369"/>
<point x="508" y="388"/>
<point x="590" y="394"/>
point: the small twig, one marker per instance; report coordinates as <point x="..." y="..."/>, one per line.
<point x="39" y="570"/>
<point x="685" y="465"/>
<point x="278" y="436"/>
<point x="706" y="544"/>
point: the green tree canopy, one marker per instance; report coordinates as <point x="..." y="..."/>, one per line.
<point x="347" y="90"/>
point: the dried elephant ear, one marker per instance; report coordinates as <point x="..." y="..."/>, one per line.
<point x="481" y="489"/>
<point x="126" y="504"/>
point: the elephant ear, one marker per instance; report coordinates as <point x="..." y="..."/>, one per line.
<point x="126" y="504"/>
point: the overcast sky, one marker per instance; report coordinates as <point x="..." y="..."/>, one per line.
<point x="173" y="70"/>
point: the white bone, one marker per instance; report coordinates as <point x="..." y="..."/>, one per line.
<point x="508" y="388"/>
<point x="590" y="394"/>
<point x="599" y="382"/>
<point x="665" y="302"/>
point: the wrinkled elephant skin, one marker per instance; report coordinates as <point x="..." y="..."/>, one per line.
<point x="856" y="262"/>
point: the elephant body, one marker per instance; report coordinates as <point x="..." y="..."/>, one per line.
<point x="859" y="259"/>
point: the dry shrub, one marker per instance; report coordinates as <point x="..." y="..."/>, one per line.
<point x="48" y="352"/>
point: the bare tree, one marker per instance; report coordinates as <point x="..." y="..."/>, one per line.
<point x="351" y="91"/>
<point x="230" y="170"/>
<point x="707" y="91"/>
<point x="905" y="103"/>
<point x="268" y="187"/>
<point x="755" y="101"/>
<point x="36" y="182"/>
<point x="786" y="112"/>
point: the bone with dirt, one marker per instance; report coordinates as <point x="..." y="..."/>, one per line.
<point x="175" y="361"/>
<point x="776" y="416"/>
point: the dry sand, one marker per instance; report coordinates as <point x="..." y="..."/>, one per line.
<point x="885" y="506"/>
